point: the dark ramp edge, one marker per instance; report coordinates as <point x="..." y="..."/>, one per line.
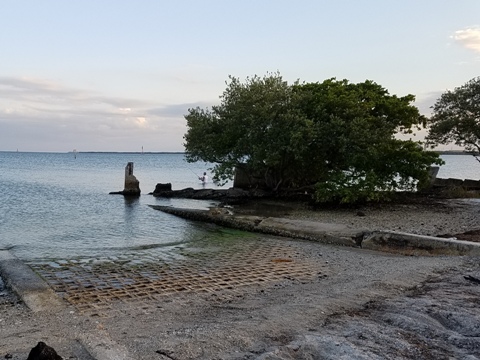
<point x="28" y="286"/>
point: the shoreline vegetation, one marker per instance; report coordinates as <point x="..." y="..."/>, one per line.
<point x="453" y="152"/>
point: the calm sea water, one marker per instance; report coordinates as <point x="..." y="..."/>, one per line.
<point x="56" y="206"/>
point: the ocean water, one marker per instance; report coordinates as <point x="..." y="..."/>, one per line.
<point x="459" y="167"/>
<point x="57" y="205"/>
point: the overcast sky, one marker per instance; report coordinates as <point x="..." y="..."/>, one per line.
<point x="114" y="75"/>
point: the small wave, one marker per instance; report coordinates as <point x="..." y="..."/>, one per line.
<point x="145" y="246"/>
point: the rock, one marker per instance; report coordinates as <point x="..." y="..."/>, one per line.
<point x="163" y="187"/>
<point x="186" y="193"/>
<point x="219" y="211"/>
<point x="225" y="195"/>
<point x="43" y="352"/>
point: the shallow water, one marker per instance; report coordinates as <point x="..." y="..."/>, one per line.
<point x="57" y="205"/>
<point x="460" y="167"/>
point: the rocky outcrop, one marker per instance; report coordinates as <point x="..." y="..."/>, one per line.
<point x="205" y="194"/>
<point x="232" y="195"/>
<point x="162" y="187"/>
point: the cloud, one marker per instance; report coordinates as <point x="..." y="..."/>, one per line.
<point x="35" y="112"/>
<point x="424" y="102"/>
<point x="141" y="121"/>
<point x="53" y="94"/>
<point x="177" y="110"/>
<point x="25" y="99"/>
<point x="469" y="38"/>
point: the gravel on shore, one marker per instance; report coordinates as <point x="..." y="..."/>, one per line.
<point x="435" y="218"/>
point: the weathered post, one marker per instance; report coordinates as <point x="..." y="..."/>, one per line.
<point x="132" y="185"/>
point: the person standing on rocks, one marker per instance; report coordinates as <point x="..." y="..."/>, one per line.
<point x="203" y="178"/>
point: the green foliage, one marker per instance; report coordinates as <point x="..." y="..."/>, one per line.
<point x="337" y="135"/>
<point x="252" y="125"/>
<point x="403" y="165"/>
<point x="456" y="117"/>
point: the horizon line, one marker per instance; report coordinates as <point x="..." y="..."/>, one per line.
<point x="95" y="152"/>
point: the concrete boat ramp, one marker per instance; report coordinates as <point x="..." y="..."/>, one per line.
<point x="36" y="294"/>
<point x="39" y="297"/>
<point x="42" y="296"/>
<point x="330" y="233"/>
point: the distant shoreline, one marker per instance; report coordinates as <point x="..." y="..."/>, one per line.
<point x="453" y="152"/>
<point x="441" y="152"/>
<point x="94" y="152"/>
<point x="128" y="152"/>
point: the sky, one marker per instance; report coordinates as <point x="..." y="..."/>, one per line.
<point x="115" y="75"/>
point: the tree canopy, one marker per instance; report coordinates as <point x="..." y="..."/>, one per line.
<point x="335" y="135"/>
<point x="456" y="118"/>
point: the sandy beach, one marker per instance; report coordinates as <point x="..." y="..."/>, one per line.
<point x="354" y="303"/>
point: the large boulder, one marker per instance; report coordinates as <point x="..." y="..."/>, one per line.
<point x="162" y="187"/>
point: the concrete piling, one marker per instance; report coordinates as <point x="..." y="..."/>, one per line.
<point x="132" y="185"/>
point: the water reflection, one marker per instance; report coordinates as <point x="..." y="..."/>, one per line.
<point x="131" y="227"/>
<point x="131" y="201"/>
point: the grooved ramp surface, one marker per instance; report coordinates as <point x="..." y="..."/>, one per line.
<point x="216" y="270"/>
